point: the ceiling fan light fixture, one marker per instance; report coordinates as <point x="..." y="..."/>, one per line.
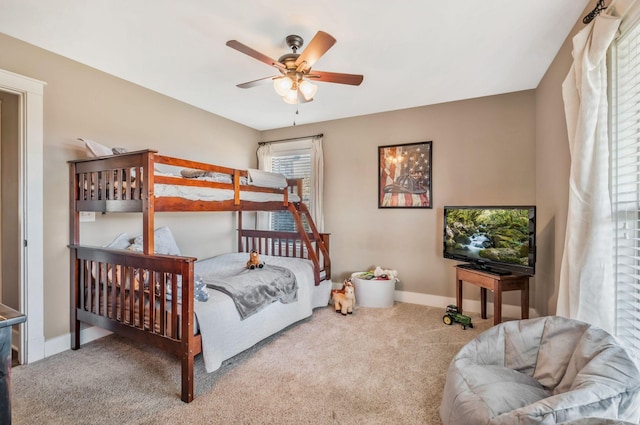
<point x="307" y="89"/>
<point x="291" y="97"/>
<point x="296" y="67"/>
<point x="283" y="85"/>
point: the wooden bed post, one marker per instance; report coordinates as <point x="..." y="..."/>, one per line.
<point x="236" y="187"/>
<point x="148" y="208"/>
<point x="240" y="231"/>
<point x="187" y="337"/>
<point x="74" y="239"/>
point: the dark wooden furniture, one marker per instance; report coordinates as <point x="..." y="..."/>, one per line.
<point x="125" y="291"/>
<point x="496" y="283"/>
<point x="8" y="318"/>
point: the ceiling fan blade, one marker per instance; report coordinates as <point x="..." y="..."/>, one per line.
<point x="335" y="77"/>
<point x="318" y="46"/>
<point x="235" y="44"/>
<point x="258" y="82"/>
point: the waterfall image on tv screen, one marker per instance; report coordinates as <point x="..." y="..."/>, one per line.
<point x="493" y="234"/>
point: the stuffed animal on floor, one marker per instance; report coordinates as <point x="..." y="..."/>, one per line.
<point x="254" y="261"/>
<point x="339" y="291"/>
<point x="336" y="291"/>
<point x="345" y="302"/>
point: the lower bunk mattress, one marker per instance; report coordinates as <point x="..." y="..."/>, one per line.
<point x="224" y="333"/>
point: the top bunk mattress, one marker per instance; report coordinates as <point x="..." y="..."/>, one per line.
<point x="196" y="193"/>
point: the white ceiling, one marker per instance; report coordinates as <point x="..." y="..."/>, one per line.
<point x="411" y="52"/>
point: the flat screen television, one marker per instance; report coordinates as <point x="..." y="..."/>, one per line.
<point x="496" y="239"/>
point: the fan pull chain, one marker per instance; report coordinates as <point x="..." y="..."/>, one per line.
<point x="295" y="116"/>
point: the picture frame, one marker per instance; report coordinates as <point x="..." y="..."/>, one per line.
<point x="404" y="175"/>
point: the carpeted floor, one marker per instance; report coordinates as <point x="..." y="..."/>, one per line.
<point x="377" y="366"/>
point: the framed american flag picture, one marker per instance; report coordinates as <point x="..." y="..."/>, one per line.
<point x="404" y="176"/>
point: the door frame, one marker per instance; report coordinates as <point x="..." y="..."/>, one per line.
<point x="30" y="203"/>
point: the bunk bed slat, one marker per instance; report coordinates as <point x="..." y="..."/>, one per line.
<point x="163" y="304"/>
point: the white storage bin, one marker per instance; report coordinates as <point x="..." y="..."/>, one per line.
<point x="373" y="293"/>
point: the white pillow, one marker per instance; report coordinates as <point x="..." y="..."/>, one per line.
<point x="122" y="241"/>
<point x="266" y="179"/>
<point x="96" y="149"/>
<point x="164" y="243"/>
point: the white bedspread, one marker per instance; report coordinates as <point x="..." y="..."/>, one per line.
<point x="223" y="333"/>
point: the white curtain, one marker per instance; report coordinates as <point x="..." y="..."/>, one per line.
<point x="265" y="153"/>
<point x="314" y="146"/>
<point x="263" y="218"/>
<point x="586" y="290"/>
<point x="317" y="171"/>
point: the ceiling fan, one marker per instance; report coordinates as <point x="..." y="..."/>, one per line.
<point x="294" y="83"/>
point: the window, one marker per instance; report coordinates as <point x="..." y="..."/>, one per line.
<point x="625" y="182"/>
<point x="296" y="159"/>
<point x="293" y="166"/>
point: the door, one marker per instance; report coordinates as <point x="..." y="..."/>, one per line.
<point x="29" y="246"/>
<point x="10" y="247"/>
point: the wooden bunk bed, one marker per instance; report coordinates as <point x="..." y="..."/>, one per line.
<point x="119" y="290"/>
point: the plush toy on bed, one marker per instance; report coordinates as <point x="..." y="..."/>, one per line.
<point x="344" y="300"/>
<point x="254" y="261"/>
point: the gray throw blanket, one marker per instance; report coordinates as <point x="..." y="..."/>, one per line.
<point x="252" y="290"/>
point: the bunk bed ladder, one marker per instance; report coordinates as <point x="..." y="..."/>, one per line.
<point x="321" y="242"/>
<point x="313" y="255"/>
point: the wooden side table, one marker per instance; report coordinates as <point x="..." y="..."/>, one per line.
<point x="495" y="283"/>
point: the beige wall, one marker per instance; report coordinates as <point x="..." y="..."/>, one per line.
<point x="552" y="173"/>
<point x="483" y="154"/>
<point x="506" y="149"/>
<point x="552" y="182"/>
<point x="469" y="137"/>
<point x="82" y="102"/>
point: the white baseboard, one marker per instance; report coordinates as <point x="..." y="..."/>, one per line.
<point x="63" y="343"/>
<point x="508" y="310"/>
<point x="36" y="350"/>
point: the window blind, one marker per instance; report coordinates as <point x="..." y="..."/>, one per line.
<point x="625" y="183"/>
<point x="296" y="166"/>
